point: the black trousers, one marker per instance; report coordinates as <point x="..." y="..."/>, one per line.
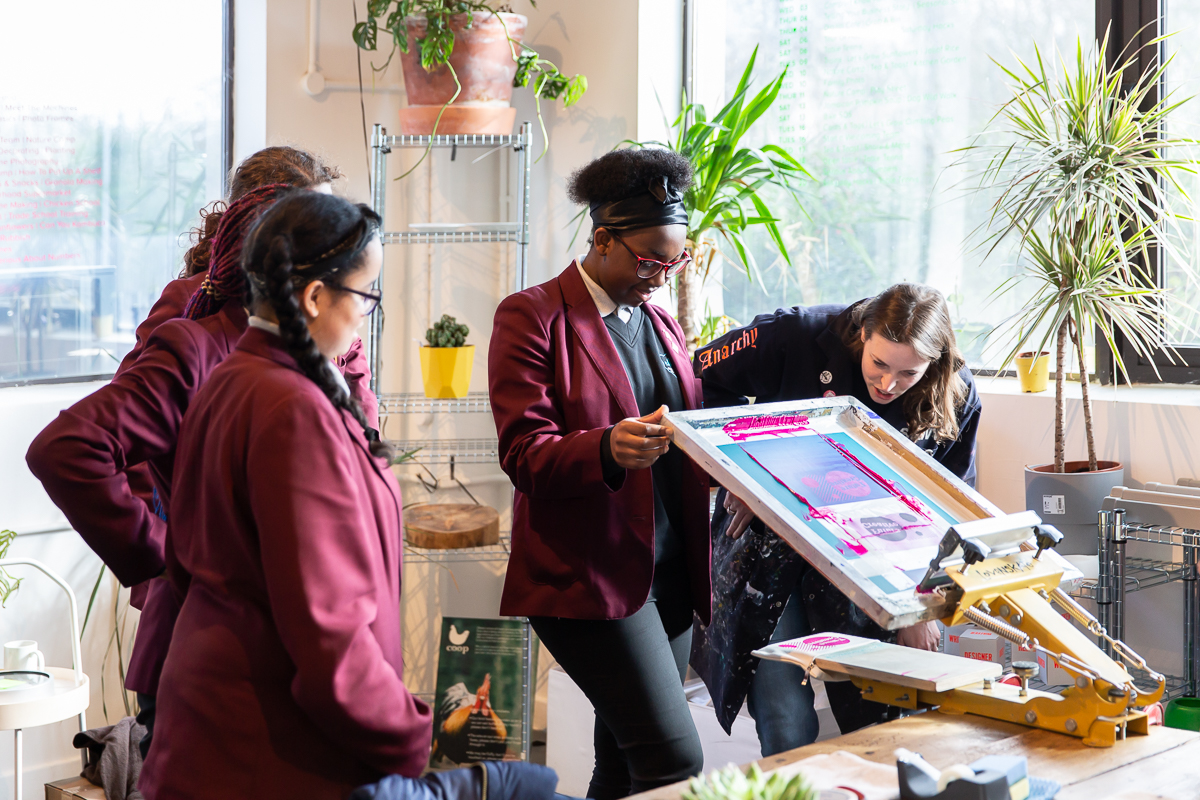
<point x="146" y="706"/>
<point x="632" y="671"/>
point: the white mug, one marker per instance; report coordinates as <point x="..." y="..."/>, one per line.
<point x="23" y="654"/>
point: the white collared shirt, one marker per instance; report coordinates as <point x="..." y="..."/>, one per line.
<point x="604" y="304"/>
<point x="273" y="327"/>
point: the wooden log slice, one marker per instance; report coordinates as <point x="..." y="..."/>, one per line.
<point x="445" y="526"/>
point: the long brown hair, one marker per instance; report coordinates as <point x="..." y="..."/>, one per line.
<point x="916" y="315"/>
<point x="281" y="164"/>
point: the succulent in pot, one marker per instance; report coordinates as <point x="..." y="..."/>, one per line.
<point x="446" y="359"/>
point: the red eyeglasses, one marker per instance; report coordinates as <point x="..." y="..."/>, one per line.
<point x="648" y="267"/>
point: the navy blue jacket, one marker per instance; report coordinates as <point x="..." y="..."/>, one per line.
<point x="795" y="353"/>
<point x="799" y="353"/>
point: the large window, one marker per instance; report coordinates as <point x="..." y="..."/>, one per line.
<point x="110" y="141"/>
<point x="878" y="96"/>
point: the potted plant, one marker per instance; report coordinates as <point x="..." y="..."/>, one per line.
<point x="733" y="784"/>
<point x="1080" y="163"/>
<point x="461" y="60"/>
<point x="725" y="198"/>
<point x="8" y="584"/>
<point x="446" y="359"/>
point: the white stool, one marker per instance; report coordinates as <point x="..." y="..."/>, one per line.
<point x="67" y="696"/>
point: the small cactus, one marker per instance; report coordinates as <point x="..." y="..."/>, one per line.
<point x="446" y="332"/>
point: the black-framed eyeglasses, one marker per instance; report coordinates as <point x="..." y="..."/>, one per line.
<point x="647" y="267"/>
<point x="368" y="300"/>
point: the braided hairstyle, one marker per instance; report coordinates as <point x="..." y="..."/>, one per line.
<point x="270" y="165"/>
<point x="226" y="280"/>
<point x="305" y="237"/>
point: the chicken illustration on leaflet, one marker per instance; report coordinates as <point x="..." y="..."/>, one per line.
<point x="470" y="730"/>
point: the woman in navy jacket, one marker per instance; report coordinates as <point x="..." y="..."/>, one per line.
<point x="610" y="544"/>
<point x="897" y="354"/>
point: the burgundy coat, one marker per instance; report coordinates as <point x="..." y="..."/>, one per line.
<point x="284" y="677"/>
<point x="580" y="549"/>
<point x="85" y="457"/>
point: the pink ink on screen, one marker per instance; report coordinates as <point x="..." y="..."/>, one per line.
<point x="739" y="430"/>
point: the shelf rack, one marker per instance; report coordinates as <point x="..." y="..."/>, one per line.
<point x="478" y="236"/>
<point x="1140" y="573"/>
<point x="418" y="403"/>
<point x="455" y="451"/>
<point x="382" y="145"/>
<point x="493" y="553"/>
<point x="1119" y="575"/>
<point x="449" y="451"/>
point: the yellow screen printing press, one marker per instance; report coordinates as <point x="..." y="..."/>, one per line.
<point x="907" y="541"/>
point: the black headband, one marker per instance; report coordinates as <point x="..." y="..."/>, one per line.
<point x="658" y="205"/>
<point x="350" y="246"/>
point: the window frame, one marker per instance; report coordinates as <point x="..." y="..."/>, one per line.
<point x="1135" y="23"/>
<point x="226" y="160"/>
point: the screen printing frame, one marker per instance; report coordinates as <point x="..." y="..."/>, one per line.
<point x="890" y="610"/>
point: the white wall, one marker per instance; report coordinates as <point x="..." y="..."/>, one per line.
<point x="39" y="608"/>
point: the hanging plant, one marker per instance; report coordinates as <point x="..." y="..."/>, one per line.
<point x="437" y="45"/>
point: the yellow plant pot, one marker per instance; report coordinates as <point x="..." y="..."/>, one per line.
<point x="446" y="371"/>
<point x="1034" y="371"/>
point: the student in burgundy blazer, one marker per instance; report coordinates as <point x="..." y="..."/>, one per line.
<point x="285" y="675"/>
<point x="130" y="530"/>
<point x="610" y="544"/>
<point x="84" y="457"/>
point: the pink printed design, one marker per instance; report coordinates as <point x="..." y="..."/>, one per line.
<point x="745" y="428"/>
<point x="824" y="642"/>
<point x="828" y="485"/>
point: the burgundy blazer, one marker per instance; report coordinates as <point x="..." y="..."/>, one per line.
<point x="169" y="306"/>
<point x="285" y="673"/>
<point x="85" y="457"/>
<point x="580" y="549"/>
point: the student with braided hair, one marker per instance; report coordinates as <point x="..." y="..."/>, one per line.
<point x="85" y="457"/>
<point x="271" y="165"/>
<point x="288" y="165"/>
<point x="285" y="674"/>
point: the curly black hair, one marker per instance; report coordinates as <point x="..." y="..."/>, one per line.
<point x="625" y="173"/>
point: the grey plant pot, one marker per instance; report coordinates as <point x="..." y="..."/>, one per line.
<point x="1070" y="500"/>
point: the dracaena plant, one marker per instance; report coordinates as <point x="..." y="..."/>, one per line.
<point x="726" y="196"/>
<point x="547" y="80"/>
<point x="1084" y="175"/>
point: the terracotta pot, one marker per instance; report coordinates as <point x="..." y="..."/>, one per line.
<point x="482" y="59"/>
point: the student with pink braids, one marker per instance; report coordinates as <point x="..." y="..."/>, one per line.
<point x="83" y="457"/>
<point x="278" y="164"/>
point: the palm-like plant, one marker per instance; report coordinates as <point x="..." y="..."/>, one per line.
<point x="728" y="177"/>
<point x="1083" y="169"/>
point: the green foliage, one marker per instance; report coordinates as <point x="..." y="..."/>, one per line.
<point x="1081" y="161"/>
<point x="714" y="325"/>
<point x="724" y="197"/>
<point x="438" y="43"/>
<point x="8" y="584"/>
<point x="446" y="332"/>
<point x="731" y="784"/>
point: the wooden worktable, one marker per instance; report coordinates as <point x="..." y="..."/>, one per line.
<point x="1164" y="764"/>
